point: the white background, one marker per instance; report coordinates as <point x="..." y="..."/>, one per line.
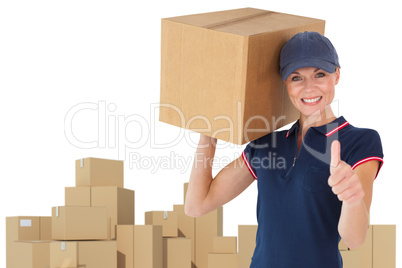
<point x="105" y="56"/>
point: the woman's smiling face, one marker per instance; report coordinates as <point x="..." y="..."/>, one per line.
<point x="311" y="89"/>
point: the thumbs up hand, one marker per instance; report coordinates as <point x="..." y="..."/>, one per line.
<point x="343" y="180"/>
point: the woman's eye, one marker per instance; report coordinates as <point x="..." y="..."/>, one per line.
<point x="295" y="78"/>
<point x="320" y="75"/>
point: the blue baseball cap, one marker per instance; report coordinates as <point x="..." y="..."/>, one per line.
<point x="308" y="49"/>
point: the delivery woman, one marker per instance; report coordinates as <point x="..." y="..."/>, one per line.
<point x="322" y="192"/>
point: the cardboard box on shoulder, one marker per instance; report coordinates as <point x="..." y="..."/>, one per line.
<point x="220" y="72"/>
<point x="88" y="254"/>
<point x="99" y="172"/>
<point x="80" y="223"/>
<point x="247" y="235"/>
<point x="168" y="220"/>
<point x="176" y="252"/>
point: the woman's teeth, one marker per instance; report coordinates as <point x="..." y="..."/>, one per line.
<point x="311" y="100"/>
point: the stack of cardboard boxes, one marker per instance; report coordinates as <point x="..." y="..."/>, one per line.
<point x="95" y="229"/>
<point x="83" y="232"/>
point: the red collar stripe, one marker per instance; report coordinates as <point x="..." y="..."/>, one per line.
<point x="248" y="165"/>
<point x="337" y="129"/>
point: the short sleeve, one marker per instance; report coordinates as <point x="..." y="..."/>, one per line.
<point x="366" y="147"/>
<point x="247" y="156"/>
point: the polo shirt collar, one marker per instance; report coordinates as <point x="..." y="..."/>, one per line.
<point x="326" y="130"/>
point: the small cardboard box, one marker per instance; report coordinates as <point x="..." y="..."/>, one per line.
<point x="139" y="246"/>
<point x="186" y="227"/>
<point x="220" y="72"/>
<point x="79" y="223"/>
<point x="168" y="220"/>
<point x="351" y="259"/>
<point x="176" y="252"/>
<point x="224" y="244"/>
<point x="77" y="196"/>
<point x="384" y="246"/>
<point x="99" y="172"/>
<point x="247" y="235"/>
<point x="119" y="203"/>
<point x="24" y="228"/>
<point x="89" y="254"/>
<point x="206" y="228"/>
<point x="30" y="254"/>
<point x="223" y="260"/>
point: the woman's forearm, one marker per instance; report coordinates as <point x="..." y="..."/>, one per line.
<point x="201" y="176"/>
<point x="353" y="224"/>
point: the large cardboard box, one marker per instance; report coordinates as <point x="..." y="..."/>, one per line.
<point x="220" y="72"/>
<point x="206" y="228"/>
<point x="176" y="252"/>
<point x="30" y="254"/>
<point x="89" y="254"/>
<point x="80" y="223"/>
<point x="99" y="172"/>
<point x="223" y="260"/>
<point x="224" y="244"/>
<point x="247" y="235"/>
<point x="168" y="220"/>
<point x="139" y="246"/>
<point x="351" y="259"/>
<point x="77" y="196"/>
<point x="119" y="203"/>
<point x="384" y="246"/>
<point x="186" y="228"/>
<point x="24" y="228"/>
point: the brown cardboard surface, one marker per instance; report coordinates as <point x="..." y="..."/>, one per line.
<point x="148" y="248"/>
<point x="222" y="260"/>
<point x="247" y="235"/>
<point x="366" y="250"/>
<point x="186" y="227"/>
<point x="79" y="223"/>
<point x="77" y="196"/>
<point x="125" y="246"/>
<point x="177" y="252"/>
<point x="351" y="259"/>
<point x="64" y="254"/>
<point x="97" y="254"/>
<point x="167" y="219"/>
<point x="384" y="246"/>
<point x="45" y="231"/>
<point x="99" y="172"/>
<point x="224" y="244"/>
<point x="215" y="68"/>
<point x="30" y="254"/>
<point x="89" y="254"/>
<point x="119" y="203"/>
<point x="19" y="228"/>
<point x="206" y="228"/>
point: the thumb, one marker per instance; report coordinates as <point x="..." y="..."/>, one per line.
<point x="335" y="153"/>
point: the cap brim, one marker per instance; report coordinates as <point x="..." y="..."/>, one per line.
<point x="317" y="63"/>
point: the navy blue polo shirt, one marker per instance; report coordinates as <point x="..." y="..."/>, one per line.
<point x="297" y="211"/>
